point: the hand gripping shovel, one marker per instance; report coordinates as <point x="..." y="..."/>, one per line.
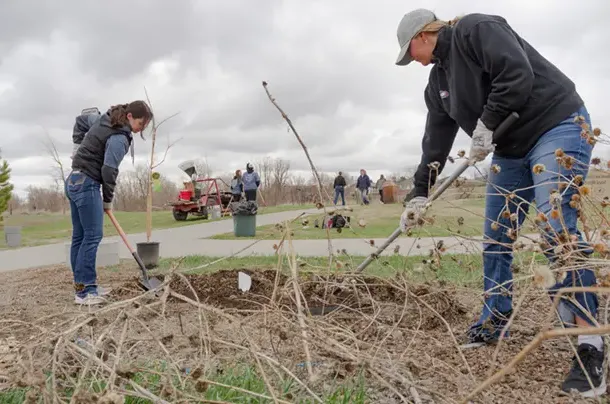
<point x="146" y="282"/>
<point x="439" y="191"/>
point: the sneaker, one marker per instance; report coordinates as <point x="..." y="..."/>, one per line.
<point x="102" y="291"/>
<point x="593" y="362"/>
<point x="89" y="300"/>
<point x="487" y="333"/>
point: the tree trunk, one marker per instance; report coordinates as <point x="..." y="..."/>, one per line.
<point x="149" y="186"/>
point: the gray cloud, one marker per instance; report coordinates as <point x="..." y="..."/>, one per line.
<point x="330" y="65"/>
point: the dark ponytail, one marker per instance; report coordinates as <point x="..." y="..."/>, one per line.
<point x="138" y="109"/>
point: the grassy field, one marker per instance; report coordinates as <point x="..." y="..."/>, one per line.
<point x="463" y="217"/>
<point x="46" y="228"/>
<point x="382" y="220"/>
<point x="457" y="269"/>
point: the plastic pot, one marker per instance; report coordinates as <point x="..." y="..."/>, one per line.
<point x="149" y="253"/>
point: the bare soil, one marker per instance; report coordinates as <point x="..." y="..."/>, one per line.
<point x="411" y="333"/>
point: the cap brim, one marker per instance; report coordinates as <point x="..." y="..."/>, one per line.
<point x="404" y="58"/>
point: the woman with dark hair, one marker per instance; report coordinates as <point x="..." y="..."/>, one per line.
<point x="482" y="72"/>
<point x="95" y="166"/>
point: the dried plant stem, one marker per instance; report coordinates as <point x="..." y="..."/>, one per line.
<point x="541" y="337"/>
<point x="133" y="384"/>
<point x="311" y="164"/>
<point x="300" y="314"/>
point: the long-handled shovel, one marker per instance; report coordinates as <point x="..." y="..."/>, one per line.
<point x="439" y="191"/>
<point x="146" y="282"/>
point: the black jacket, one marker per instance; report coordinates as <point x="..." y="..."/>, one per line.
<point x="90" y="156"/>
<point x="339" y="181"/>
<point x="483" y="69"/>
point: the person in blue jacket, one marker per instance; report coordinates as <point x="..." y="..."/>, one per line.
<point x="90" y="189"/>
<point x="363" y="183"/>
<point x="251" y="181"/>
<point x="482" y="71"/>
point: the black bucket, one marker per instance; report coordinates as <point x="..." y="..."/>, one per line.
<point x="149" y="253"/>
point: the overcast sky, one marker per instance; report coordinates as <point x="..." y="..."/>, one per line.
<point x="330" y="65"/>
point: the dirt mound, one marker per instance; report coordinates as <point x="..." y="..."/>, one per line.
<point x="321" y="294"/>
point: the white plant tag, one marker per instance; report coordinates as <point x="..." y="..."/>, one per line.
<point x="244" y="281"/>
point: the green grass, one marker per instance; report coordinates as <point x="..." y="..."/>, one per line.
<point x="457" y="269"/>
<point x="382" y="220"/>
<point x="239" y="376"/>
<point x="47" y="228"/>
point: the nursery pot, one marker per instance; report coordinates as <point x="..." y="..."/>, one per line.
<point x="12" y="236"/>
<point x="149" y="253"/>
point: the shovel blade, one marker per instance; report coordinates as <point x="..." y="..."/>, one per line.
<point x="150" y="283"/>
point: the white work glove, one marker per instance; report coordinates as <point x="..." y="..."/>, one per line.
<point x="107" y="206"/>
<point x="481" y="144"/>
<point x="412" y="211"/>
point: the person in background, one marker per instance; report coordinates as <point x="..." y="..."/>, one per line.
<point x="82" y="123"/>
<point x="339" y="187"/>
<point x="251" y="181"/>
<point x="379" y="186"/>
<point x="482" y="70"/>
<point x="95" y="166"/>
<point x="237" y="186"/>
<point x="363" y="184"/>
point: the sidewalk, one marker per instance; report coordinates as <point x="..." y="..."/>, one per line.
<point x="192" y="240"/>
<point x="172" y="242"/>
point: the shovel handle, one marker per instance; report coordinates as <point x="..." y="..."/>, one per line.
<point x="133" y="252"/>
<point x="119" y="230"/>
<point x="438" y="192"/>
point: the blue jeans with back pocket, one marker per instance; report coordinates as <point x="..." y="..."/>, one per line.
<point x="87" y="211"/>
<point x="516" y="177"/>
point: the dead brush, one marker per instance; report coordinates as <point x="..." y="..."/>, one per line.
<point x="308" y="330"/>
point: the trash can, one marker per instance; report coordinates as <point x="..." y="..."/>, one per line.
<point x="244" y="218"/>
<point x="244" y="225"/>
<point x="12" y="236"/>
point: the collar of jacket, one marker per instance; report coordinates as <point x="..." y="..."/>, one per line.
<point x="443" y="45"/>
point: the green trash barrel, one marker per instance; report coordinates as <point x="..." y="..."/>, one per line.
<point x="244" y="225"/>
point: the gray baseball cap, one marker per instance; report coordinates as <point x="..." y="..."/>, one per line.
<point x="410" y="25"/>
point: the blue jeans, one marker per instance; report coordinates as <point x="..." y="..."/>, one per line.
<point x="364" y="195"/>
<point x="87" y="211"/>
<point x="339" y="191"/>
<point x="516" y="176"/>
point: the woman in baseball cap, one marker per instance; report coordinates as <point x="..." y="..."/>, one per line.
<point x="482" y="72"/>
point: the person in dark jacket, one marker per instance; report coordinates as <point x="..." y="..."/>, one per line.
<point x="339" y="187"/>
<point x="363" y="183"/>
<point x="483" y="71"/>
<point x="95" y="165"/>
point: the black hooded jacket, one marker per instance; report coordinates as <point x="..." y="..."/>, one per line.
<point x="483" y="69"/>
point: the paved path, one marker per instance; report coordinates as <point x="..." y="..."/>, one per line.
<point x="177" y="241"/>
<point x="191" y="240"/>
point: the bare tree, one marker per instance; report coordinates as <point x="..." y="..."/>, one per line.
<point x="48" y="199"/>
<point x="203" y="167"/>
<point x="132" y="188"/>
<point x="281" y="170"/>
<point x="153" y="164"/>
<point x="58" y="173"/>
<point x="264" y="167"/>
